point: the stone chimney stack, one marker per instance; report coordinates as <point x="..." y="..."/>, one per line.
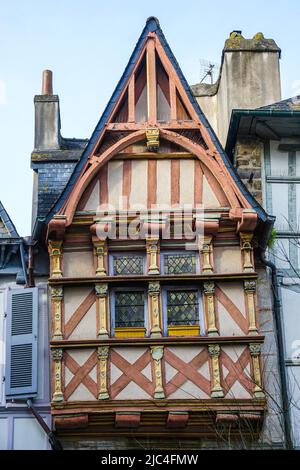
<point x="249" y="78"/>
<point x="47" y="116"/>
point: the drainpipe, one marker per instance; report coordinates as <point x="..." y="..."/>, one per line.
<point x="281" y="361"/>
<point x="22" y="254"/>
<point x="54" y="442"/>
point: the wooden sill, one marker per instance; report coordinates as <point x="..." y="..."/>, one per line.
<point x="183" y="330"/>
<point x="130" y="332"/>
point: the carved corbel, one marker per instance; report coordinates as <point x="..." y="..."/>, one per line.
<point x="56" y="302"/>
<point x="154" y="309"/>
<point x="57" y="356"/>
<point x="55" y="252"/>
<point x="102" y="299"/>
<point x="152" y="139"/>
<point x="214" y="353"/>
<point x="209" y="302"/>
<point x="157" y="353"/>
<point x="246" y="249"/>
<point x="103" y="353"/>
<point x="255" y="349"/>
<point x="250" y="288"/>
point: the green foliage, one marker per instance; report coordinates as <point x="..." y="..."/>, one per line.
<point x="272" y="237"/>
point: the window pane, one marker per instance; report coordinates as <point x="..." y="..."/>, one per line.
<point x="132" y="264"/>
<point x="280" y="205"/>
<point x="182" y="307"/>
<point x="180" y="264"/>
<point x="129" y="309"/>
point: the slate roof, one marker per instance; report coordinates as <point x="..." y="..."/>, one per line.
<point x="152" y="25"/>
<point x="7" y="228"/>
<point x="290" y="104"/>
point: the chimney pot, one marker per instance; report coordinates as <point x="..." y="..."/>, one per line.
<point x="47" y="88"/>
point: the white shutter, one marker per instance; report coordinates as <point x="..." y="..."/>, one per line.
<point x="21" y="351"/>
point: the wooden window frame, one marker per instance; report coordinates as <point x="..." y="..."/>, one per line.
<point x="183" y="330"/>
<point x="128" y="332"/>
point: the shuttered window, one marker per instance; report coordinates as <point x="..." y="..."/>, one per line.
<point x="21" y="352"/>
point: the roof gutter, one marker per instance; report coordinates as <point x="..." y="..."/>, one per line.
<point x="236" y="115"/>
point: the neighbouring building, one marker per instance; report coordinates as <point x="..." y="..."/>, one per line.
<point x="160" y="305"/>
<point x="24" y="347"/>
<point x="265" y="146"/>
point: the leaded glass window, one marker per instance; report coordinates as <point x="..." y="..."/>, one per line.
<point x="128" y="264"/>
<point x="129" y="309"/>
<point x="184" y="263"/>
<point x="182" y="307"/>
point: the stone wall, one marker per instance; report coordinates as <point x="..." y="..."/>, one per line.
<point x="248" y="162"/>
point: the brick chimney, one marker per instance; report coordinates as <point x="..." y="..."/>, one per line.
<point x="47" y="116"/>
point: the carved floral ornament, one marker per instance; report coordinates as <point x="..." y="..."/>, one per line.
<point x="214" y="350"/>
<point x="101" y="290"/>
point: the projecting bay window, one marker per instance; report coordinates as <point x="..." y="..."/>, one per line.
<point x="129" y="313"/>
<point x="176" y="263"/>
<point x="127" y="264"/>
<point x="182" y="311"/>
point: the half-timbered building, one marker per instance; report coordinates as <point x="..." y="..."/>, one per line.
<point x="152" y="282"/>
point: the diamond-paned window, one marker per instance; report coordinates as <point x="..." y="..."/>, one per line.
<point x="129" y="309"/>
<point x="128" y="264"/>
<point x="182" y="307"/>
<point x="180" y="263"/>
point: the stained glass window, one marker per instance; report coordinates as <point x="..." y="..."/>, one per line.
<point x="182" y="307"/>
<point x="129" y="309"/>
<point x="128" y="264"/>
<point x="180" y="263"/>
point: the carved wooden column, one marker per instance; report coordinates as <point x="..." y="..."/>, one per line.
<point x="214" y="352"/>
<point x="102" y="309"/>
<point x="152" y="245"/>
<point x="157" y="353"/>
<point x="100" y="252"/>
<point x="246" y="249"/>
<point x="57" y="355"/>
<point x="55" y="252"/>
<point x="103" y="353"/>
<point x="255" y="349"/>
<point x="56" y="305"/>
<point x="206" y="254"/>
<point x="154" y="309"/>
<point x="250" y="288"/>
<point x="209" y="305"/>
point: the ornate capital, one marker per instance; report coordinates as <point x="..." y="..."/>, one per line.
<point x="255" y="349"/>
<point x="152" y="137"/>
<point x="157" y="352"/>
<point x="154" y="288"/>
<point x="57" y="354"/>
<point x="250" y="286"/>
<point x="209" y="287"/>
<point x="214" y="350"/>
<point x="101" y="289"/>
<point x="103" y="352"/>
<point x="56" y="293"/>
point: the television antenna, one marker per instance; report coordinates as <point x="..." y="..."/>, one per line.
<point x="209" y="71"/>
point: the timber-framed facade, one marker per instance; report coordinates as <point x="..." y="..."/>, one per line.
<point x="152" y="282"/>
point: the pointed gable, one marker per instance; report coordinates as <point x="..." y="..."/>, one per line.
<point x="7" y="228"/>
<point x="153" y="94"/>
